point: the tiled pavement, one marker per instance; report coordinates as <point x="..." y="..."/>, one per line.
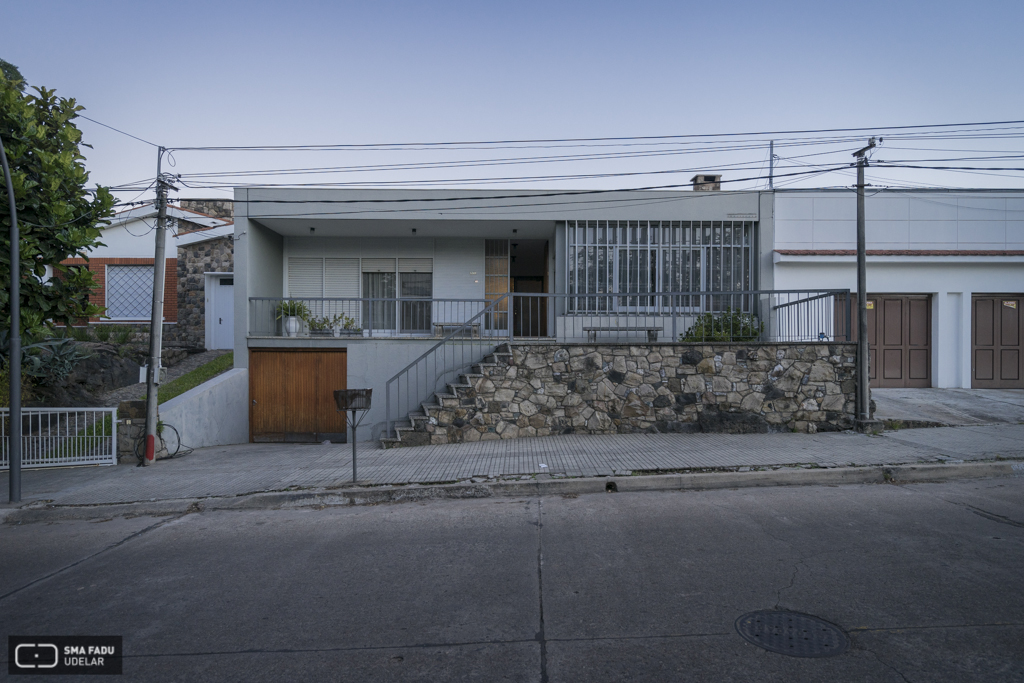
<point x="248" y="468"/>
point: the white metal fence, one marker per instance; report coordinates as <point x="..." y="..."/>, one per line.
<point x="54" y="437"/>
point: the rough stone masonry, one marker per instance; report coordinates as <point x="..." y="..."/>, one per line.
<point x="537" y="390"/>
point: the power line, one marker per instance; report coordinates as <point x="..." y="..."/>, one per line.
<point x="597" y="139"/>
<point x="117" y="130"/>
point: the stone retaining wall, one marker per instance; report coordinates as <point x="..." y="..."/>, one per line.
<point x="538" y="390"/>
<point x="194" y="261"/>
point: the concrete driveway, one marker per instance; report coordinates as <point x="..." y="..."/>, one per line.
<point x="950" y="406"/>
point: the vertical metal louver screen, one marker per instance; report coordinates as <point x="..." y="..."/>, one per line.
<point x="305" y="277"/>
<point x="129" y="292"/>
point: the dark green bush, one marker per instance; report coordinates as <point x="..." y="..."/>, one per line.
<point x="729" y="325"/>
<point x="123" y="334"/>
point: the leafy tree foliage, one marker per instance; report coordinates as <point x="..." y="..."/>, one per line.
<point x="11" y="73"/>
<point x="58" y="219"/>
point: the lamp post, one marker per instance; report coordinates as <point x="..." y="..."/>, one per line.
<point x="14" y="362"/>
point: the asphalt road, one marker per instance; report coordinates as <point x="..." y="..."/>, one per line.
<point x="926" y="580"/>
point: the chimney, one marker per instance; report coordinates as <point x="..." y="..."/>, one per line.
<point x="706" y="183"/>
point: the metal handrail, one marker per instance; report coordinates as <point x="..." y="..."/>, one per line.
<point x="388" y="422"/>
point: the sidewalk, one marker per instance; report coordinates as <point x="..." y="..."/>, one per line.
<point x="253" y="468"/>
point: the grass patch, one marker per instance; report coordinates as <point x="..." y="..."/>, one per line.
<point x="192" y="379"/>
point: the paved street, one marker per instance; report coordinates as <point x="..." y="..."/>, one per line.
<point x="248" y="468"/>
<point x="604" y="587"/>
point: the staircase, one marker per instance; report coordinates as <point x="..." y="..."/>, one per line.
<point x="439" y="422"/>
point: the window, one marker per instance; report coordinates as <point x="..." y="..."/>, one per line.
<point x="129" y="292"/>
<point x="416" y="314"/>
<point x="331" y="286"/>
<point x="379" y="315"/>
<point x="390" y="279"/>
<point x="334" y="279"/>
<point x="639" y="257"/>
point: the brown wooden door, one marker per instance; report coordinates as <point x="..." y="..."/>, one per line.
<point x="291" y="395"/>
<point x="997" y="328"/>
<point x="899" y="339"/>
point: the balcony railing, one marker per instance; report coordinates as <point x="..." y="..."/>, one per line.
<point x="755" y="315"/>
<point x="637" y="317"/>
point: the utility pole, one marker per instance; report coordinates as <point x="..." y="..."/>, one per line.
<point x="156" y="326"/>
<point x="863" y="394"/>
<point x="14" y="362"/>
<point x="771" y="164"/>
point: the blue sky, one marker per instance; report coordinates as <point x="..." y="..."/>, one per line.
<point x="209" y="73"/>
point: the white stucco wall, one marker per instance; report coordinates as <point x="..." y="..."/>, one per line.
<point x="216" y="413"/>
<point x="900" y="220"/>
<point x="950" y="280"/>
<point x="458" y="263"/>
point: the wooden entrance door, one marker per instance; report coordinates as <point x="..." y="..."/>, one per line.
<point x="899" y="339"/>
<point x="997" y="328"/>
<point x="291" y="395"/>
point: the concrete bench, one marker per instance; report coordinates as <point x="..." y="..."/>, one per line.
<point x="440" y="328"/>
<point x="652" y="332"/>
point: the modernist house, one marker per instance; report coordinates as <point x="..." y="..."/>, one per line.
<point x="349" y="288"/>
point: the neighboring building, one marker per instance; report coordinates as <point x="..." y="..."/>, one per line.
<point x="408" y="267"/>
<point x="945" y="277"/>
<point x="123" y="270"/>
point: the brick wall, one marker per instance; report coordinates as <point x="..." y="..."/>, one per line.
<point x="99" y="271"/>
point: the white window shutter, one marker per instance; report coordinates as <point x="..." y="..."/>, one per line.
<point x="378" y="265"/>
<point x="416" y="265"/>
<point x="341" y="278"/>
<point x="305" y="277"/>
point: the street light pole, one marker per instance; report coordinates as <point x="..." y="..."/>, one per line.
<point x="863" y="394"/>
<point x="14" y="362"/>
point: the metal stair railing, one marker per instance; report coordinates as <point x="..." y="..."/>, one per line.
<point x="443" y="363"/>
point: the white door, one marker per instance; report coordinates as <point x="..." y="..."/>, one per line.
<point x="223" y="319"/>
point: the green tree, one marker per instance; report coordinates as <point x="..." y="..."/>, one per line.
<point x="11" y="73"/>
<point x="57" y="217"/>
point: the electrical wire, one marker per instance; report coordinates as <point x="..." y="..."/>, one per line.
<point x="117" y="130"/>
<point x="596" y="139"/>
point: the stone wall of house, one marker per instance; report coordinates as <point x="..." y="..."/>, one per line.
<point x="212" y="256"/>
<point x="538" y="390"/>
<point x="218" y="208"/>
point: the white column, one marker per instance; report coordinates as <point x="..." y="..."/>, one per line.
<point x="946" y="340"/>
<point x="966" y="324"/>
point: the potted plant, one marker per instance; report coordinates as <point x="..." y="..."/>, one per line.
<point x="323" y="326"/>
<point x="346" y="327"/>
<point x="293" y="313"/>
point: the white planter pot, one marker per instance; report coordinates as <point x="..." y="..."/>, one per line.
<point x="292" y="325"/>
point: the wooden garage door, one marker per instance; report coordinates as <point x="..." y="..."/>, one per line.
<point x="291" y="395"/>
<point x="997" y="328"/>
<point x="899" y="339"/>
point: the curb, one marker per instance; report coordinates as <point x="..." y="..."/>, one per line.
<point x="685" y="481"/>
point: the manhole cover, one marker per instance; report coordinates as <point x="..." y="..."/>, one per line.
<point x="792" y="633"/>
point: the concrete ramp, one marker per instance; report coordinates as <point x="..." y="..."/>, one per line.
<point x="949" y="406"/>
